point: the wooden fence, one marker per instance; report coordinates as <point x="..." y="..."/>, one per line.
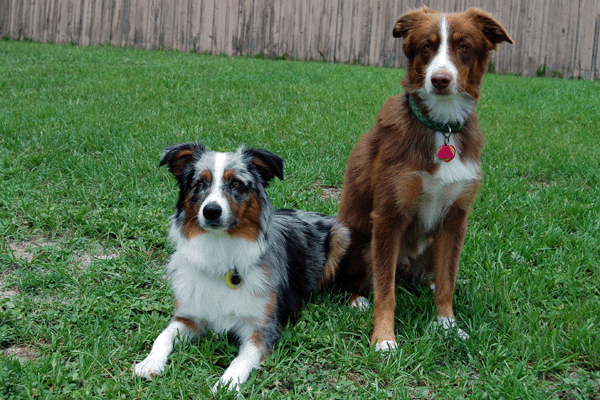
<point x="553" y="37"/>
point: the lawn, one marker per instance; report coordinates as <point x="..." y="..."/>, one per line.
<point x="84" y="216"/>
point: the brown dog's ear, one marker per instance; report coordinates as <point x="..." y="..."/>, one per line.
<point x="408" y="21"/>
<point x="178" y="156"/>
<point x="492" y="30"/>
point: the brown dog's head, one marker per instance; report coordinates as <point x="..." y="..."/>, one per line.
<point x="447" y="53"/>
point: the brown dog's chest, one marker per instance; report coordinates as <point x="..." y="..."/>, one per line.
<point x="452" y="184"/>
<point x="442" y="189"/>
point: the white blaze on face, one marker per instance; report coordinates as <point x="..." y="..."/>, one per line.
<point x="216" y="194"/>
<point x="446" y="103"/>
<point x="442" y="62"/>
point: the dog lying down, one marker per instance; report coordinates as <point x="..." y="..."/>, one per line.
<point x="240" y="266"/>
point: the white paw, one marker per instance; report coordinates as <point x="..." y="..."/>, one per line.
<point x="361" y="303"/>
<point x="386" y="345"/>
<point x="461" y="334"/>
<point x="450" y="324"/>
<point x="149" y="368"/>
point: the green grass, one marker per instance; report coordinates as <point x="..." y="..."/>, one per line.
<point x="84" y="214"/>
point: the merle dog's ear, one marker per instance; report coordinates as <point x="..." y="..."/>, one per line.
<point x="179" y="155"/>
<point x="266" y="163"/>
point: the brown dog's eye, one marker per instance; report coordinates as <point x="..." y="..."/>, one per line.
<point x="426" y="47"/>
<point x="463" y="47"/>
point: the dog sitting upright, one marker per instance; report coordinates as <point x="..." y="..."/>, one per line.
<point x="410" y="182"/>
<point x="239" y="266"/>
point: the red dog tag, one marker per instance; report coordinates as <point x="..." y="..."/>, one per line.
<point x="446" y="153"/>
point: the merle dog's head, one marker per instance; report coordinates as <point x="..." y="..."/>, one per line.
<point x="221" y="192"/>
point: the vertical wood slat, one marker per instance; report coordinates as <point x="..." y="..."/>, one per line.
<point x="27" y="16"/>
<point x="206" y="26"/>
<point x="50" y="21"/>
<point x="84" y="25"/>
<point x="595" y="62"/>
<point x="278" y="23"/>
<point x="118" y="16"/>
<point x="129" y="22"/>
<point x="555" y="36"/>
<point x="304" y="29"/>
<point x="5" y="14"/>
<point x="180" y="37"/>
<point x="95" y="22"/>
<point x="589" y="16"/>
<point x="221" y="28"/>
<point x="37" y="19"/>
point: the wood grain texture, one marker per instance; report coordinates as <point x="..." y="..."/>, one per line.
<point x="552" y="37"/>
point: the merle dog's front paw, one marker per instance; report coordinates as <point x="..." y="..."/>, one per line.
<point x="149" y="368"/>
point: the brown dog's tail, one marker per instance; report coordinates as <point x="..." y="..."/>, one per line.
<point x="338" y="242"/>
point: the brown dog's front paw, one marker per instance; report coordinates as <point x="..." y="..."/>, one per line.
<point x="384" y="341"/>
<point x="449" y="324"/>
<point x="386" y="345"/>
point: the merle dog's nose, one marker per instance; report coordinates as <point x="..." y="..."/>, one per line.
<point x="212" y="211"/>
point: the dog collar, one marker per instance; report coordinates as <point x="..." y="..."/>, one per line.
<point x="448" y="128"/>
<point x="233" y="279"/>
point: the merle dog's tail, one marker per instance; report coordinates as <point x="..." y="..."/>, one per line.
<point x="338" y="241"/>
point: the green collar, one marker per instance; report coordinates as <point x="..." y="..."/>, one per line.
<point x="431" y="124"/>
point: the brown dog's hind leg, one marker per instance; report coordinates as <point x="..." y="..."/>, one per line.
<point x="354" y="276"/>
<point x="358" y="301"/>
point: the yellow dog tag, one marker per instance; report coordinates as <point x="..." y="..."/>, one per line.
<point x="233" y="279"/>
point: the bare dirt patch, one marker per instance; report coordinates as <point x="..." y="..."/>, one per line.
<point x="330" y="193"/>
<point x="21" y="353"/>
<point x="85" y="259"/>
<point x="26" y="250"/>
<point x="543" y="183"/>
<point x="8" y="293"/>
<point x="5" y="290"/>
<point x="327" y="192"/>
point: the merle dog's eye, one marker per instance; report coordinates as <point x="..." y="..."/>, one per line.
<point x="201" y="184"/>
<point x="236" y="183"/>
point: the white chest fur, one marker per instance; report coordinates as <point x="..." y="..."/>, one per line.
<point x="441" y="189"/>
<point x="197" y="272"/>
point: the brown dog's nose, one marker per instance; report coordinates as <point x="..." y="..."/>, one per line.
<point x="441" y="80"/>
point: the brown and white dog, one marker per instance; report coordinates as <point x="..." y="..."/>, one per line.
<point x="410" y="182"/>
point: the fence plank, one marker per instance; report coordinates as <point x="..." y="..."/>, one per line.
<point x="589" y="26"/>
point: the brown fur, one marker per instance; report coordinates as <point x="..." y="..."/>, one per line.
<point x="192" y="229"/>
<point x="338" y="244"/>
<point x="191" y="325"/>
<point x="248" y="214"/>
<point x="383" y="186"/>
